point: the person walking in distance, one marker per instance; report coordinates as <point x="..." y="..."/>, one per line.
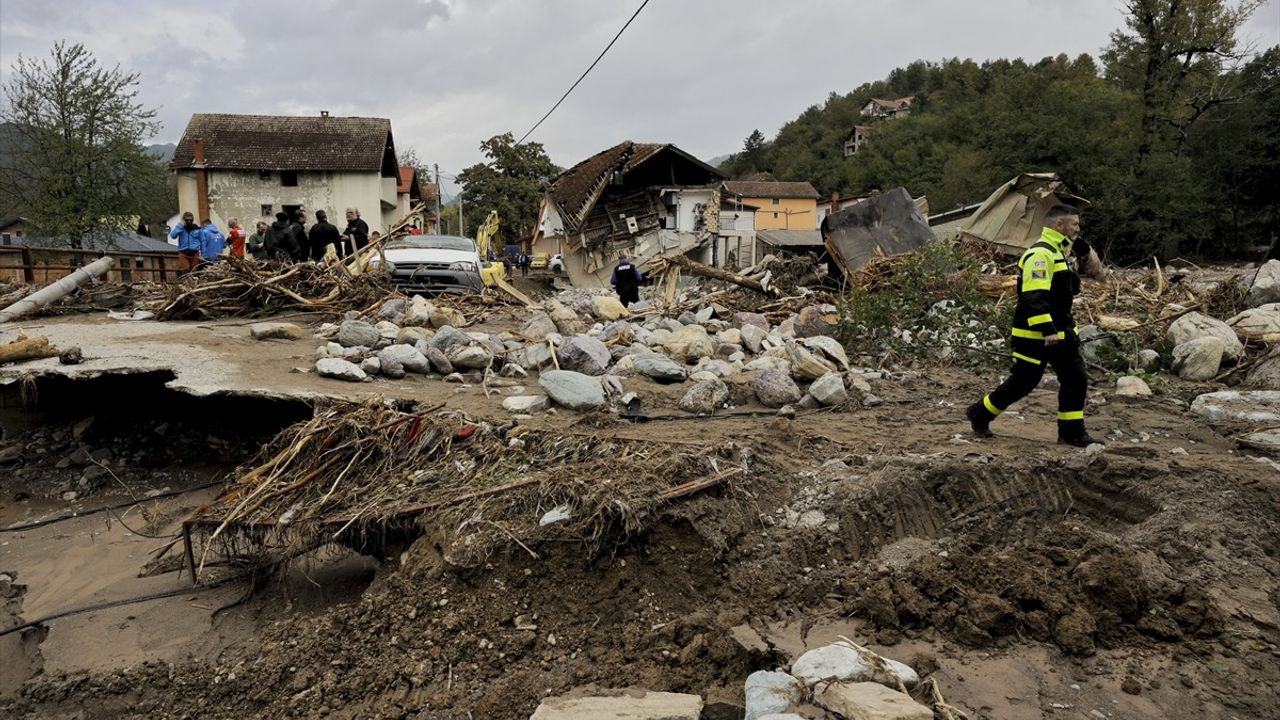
<point x="626" y="280"/>
<point x="1044" y="332"/>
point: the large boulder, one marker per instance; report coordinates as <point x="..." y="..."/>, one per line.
<point x="572" y="389"/>
<point x="584" y="354"/>
<point x="658" y="367"/>
<point x="469" y="357"/>
<point x="275" y="331"/>
<point x="1257" y="322"/>
<point x="340" y="369"/>
<point x="1249" y="406"/>
<point x="690" y="344"/>
<point x="829" y="390"/>
<point x="817" y="320"/>
<point x="408" y="358"/>
<point x="358" y="333"/>
<point x="418" y="312"/>
<point x="448" y="337"/>
<point x="608" y="308"/>
<point x="842" y="662"/>
<point x="566" y="321"/>
<point x="538" y="326"/>
<point x="1198" y="359"/>
<point x="775" y="388"/>
<point x="702" y="398"/>
<point x="1265" y="373"/>
<point x="1194" y="325"/>
<point x="769" y="692"/>
<point x="1266" y="284"/>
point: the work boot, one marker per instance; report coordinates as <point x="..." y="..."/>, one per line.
<point x="1073" y="433"/>
<point x="980" y="420"/>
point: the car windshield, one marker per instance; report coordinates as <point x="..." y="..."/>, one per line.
<point x="434" y="242"/>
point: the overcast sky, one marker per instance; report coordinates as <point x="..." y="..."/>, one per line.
<point x="450" y="73"/>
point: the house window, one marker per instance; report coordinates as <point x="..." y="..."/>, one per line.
<point x="265" y="211"/>
<point x="775" y="216"/>
<point x="264" y="174"/>
<point x="6" y="238"/>
<point x="288" y="178"/>
<point x="776" y="201"/>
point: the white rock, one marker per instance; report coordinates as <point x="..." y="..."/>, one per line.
<point x="732" y="336"/>
<point x="869" y="701"/>
<point x="418" y="313"/>
<point x="371" y="366"/>
<point x="526" y="404"/>
<point x="1198" y="359"/>
<point x="1194" y="325"/>
<point x="1257" y="322"/>
<point x="753" y="337"/>
<point x="407" y="357"/>
<point x="471" y="357"/>
<point x="689" y="344"/>
<point x="608" y="308"/>
<point x="1251" y="406"/>
<point x="340" y="369"/>
<point x="841" y="662"/>
<point x="805" y="365"/>
<point x="702" y="398"/>
<point x="572" y="390"/>
<point x="388" y="330"/>
<point x="1131" y="386"/>
<point x="830" y="348"/>
<point x="1265" y="287"/>
<point x="769" y="692"/>
<point x="829" y="390"/>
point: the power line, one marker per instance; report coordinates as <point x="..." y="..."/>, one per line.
<point x="584" y="74"/>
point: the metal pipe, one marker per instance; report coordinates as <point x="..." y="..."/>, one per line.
<point x="54" y="291"/>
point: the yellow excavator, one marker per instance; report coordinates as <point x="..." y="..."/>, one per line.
<point x="485" y="235"/>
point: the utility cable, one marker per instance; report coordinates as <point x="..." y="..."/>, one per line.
<point x="584" y="74"/>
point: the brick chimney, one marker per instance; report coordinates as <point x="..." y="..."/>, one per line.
<point x="202" y="182"/>
<point x="324" y="113"/>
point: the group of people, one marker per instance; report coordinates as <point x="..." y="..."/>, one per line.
<point x="286" y="240"/>
<point x="516" y="258"/>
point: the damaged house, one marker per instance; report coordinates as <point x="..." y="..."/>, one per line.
<point x="641" y="200"/>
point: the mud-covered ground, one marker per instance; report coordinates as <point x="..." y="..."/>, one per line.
<point x="1030" y="579"/>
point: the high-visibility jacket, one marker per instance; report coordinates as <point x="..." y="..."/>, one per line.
<point x="1046" y="287"/>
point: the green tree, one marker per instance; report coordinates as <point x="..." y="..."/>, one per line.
<point x="79" y="167"/>
<point x="510" y="182"/>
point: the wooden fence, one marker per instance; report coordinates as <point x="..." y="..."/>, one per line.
<point x="41" y="266"/>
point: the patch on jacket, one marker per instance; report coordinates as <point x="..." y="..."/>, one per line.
<point x="1039" y="275"/>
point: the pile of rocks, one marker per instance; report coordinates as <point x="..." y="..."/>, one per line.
<point x="843" y="678"/>
<point x="795" y="364"/>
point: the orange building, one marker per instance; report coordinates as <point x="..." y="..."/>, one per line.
<point x="779" y="205"/>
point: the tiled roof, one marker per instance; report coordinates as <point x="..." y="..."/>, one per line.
<point x="893" y="104"/>
<point x="406" y="179"/>
<point x="770" y="189"/>
<point x="272" y="142"/>
<point x="576" y="190"/>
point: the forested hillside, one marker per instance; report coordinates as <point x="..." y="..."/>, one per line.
<point x="1180" y="154"/>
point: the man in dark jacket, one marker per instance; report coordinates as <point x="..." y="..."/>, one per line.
<point x="626" y="280"/>
<point x="356" y="236"/>
<point x="299" y="230"/>
<point x="280" y="242"/>
<point x="323" y="234"/>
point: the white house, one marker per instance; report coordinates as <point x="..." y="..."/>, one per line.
<point x="252" y="166"/>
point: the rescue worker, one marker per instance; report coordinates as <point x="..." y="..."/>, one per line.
<point x="1044" y="333"/>
<point x="626" y="280"/>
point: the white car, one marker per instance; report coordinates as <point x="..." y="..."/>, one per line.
<point x="430" y="264"/>
<point x="557" y="264"/>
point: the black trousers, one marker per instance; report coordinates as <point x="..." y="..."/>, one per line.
<point x="1073" y="381"/>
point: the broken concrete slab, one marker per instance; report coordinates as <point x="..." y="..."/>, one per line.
<point x="629" y="704"/>
<point x="869" y="701"/>
<point x="887" y="224"/>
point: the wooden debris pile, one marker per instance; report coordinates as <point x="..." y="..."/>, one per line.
<point x="235" y="287"/>
<point x="359" y="474"/>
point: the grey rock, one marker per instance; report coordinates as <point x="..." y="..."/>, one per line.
<point x="408" y="358"/>
<point x="275" y="331"/>
<point x="742" y="319"/>
<point x="753" y="338"/>
<point x="829" y="390"/>
<point x="512" y="370"/>
<point x="355" y="333"/>
<point x="769" y="692"/>
<point x="1265" y="287"/>
<point x="1198" y="359"/>
<point x="392" y="308"/>
<point x="775" y="388"/>
<point x="702" y="398"/>
<point x="1148" y="360"/>
<point x="689" y="344"/>
<point x="687" y="318"/>
<point x="619" y="330"/>
<point x="828" y="347"/>
<point x="471" y="357"/>
<point x="449" y="337"/>
<point x="704" y="315"/>
<point x="371" y="366"/>
<point x="388" y="330"/>
<point x="439" y="363"/>
<point x="1194" y="325"/>
<point x="1257" y="322"/>
<point x="584" y="354"/>
<point x="340" y="369"/>
<point x="531" y="357"/>
<point x="1130" y="386"/>
<point x="816" y="320"/>
<point x="390" y="368"/>
<point x="538" y="326"/>
<point x="1248" y="406"/>
<point x="572" y="389"/>
<point x="526" y="404"/>
<point x="412" y="335"/>
<point x="658" y="367"/>
<point x="841" y="662"/>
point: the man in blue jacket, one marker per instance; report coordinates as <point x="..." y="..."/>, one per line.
<point x="188" y="235"/>
<point x="212" y="242"/>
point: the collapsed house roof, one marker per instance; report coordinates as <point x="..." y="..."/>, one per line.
<point x="790" y="238"/>
<point x="887" y="224"/>
<point x="273" y="142"/>
<point x="764" y="189"/>
<point x="1013" y="215"/>
<point x="576" y="190"/>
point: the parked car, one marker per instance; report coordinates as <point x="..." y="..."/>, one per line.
<point x="557" y="264"/>
<point x="432" y="264"/>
